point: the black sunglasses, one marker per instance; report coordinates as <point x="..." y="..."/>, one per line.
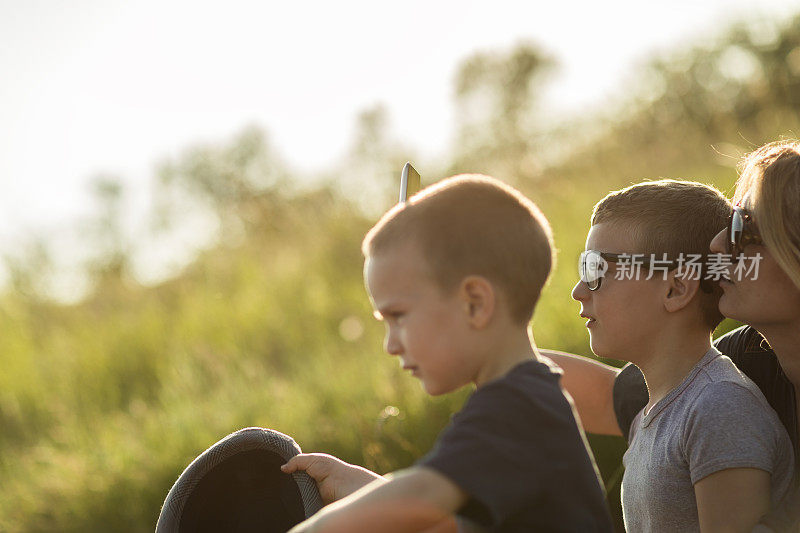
<point x="741" y="232"/>
<point x="593" y="265"/>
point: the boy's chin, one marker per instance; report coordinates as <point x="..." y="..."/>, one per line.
<point x="598" y="348"/>
<point x="728" y="307"/>
<point x="435" y="389"/>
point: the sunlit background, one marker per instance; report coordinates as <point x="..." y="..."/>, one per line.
<point x="184" y="187"/>
<point x="110" y="90"/>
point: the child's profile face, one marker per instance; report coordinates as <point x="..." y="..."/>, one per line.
<point x="622" y="314"/>
<point x="425" y="327"/>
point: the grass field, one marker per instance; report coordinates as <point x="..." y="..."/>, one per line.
<point x="105" y="401"/>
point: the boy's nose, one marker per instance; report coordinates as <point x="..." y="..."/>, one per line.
<point x="580" y="291"/>
<point x="718" y="244"/>
<point x="391" y="344"/>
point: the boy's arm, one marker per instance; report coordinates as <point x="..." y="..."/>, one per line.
<point x="734" y="444"/>
<point x="591" y="385"/>
<point x="732" y="500"/>
<point x="416" y="499"/>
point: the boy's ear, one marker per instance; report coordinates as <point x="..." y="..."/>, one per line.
<point x="479" y="300"/>
<point x="680" y="292"/>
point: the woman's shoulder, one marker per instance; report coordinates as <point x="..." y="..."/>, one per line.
<point x="751" y="353"/>
<point x="747" y="346"/>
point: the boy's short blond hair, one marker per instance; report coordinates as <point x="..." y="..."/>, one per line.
<point x="673" y="217"/>
<point x="474" y="225"/>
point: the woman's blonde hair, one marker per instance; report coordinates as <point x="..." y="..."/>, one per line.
<point x="769" y="186"/>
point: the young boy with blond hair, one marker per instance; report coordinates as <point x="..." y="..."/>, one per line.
<point x="707" y="453"/>
<point x="455" y="274"/>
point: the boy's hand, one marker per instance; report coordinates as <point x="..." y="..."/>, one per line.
<point x="335" y="478"/>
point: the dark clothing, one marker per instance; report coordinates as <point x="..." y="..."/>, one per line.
<point x="519" y="453"/>
<point x="753" y="356"/>
<point x="751" y="353"/>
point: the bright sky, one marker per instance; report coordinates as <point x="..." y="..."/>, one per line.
<point x="112" y="86"/>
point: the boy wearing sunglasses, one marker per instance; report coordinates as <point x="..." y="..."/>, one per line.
<point x="706" y="452"/>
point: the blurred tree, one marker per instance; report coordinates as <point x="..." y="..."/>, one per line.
<point x="111" y="249"/>
<point x="744" y="90"/>
<point x="495" y="97"/>
<point x="372" y="166"/>
<point x="240" y="183"/>
<point x="689" y="113"/>
<point x="28" y="267"/>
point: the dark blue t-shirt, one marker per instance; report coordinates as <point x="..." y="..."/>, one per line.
<point x="519" y="453"/>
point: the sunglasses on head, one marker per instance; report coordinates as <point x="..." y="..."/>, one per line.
<point x="741" y="231"/>
<point x="593" y="265"/>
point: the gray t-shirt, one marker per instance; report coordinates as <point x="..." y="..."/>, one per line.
<point x="715" y="419"/>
